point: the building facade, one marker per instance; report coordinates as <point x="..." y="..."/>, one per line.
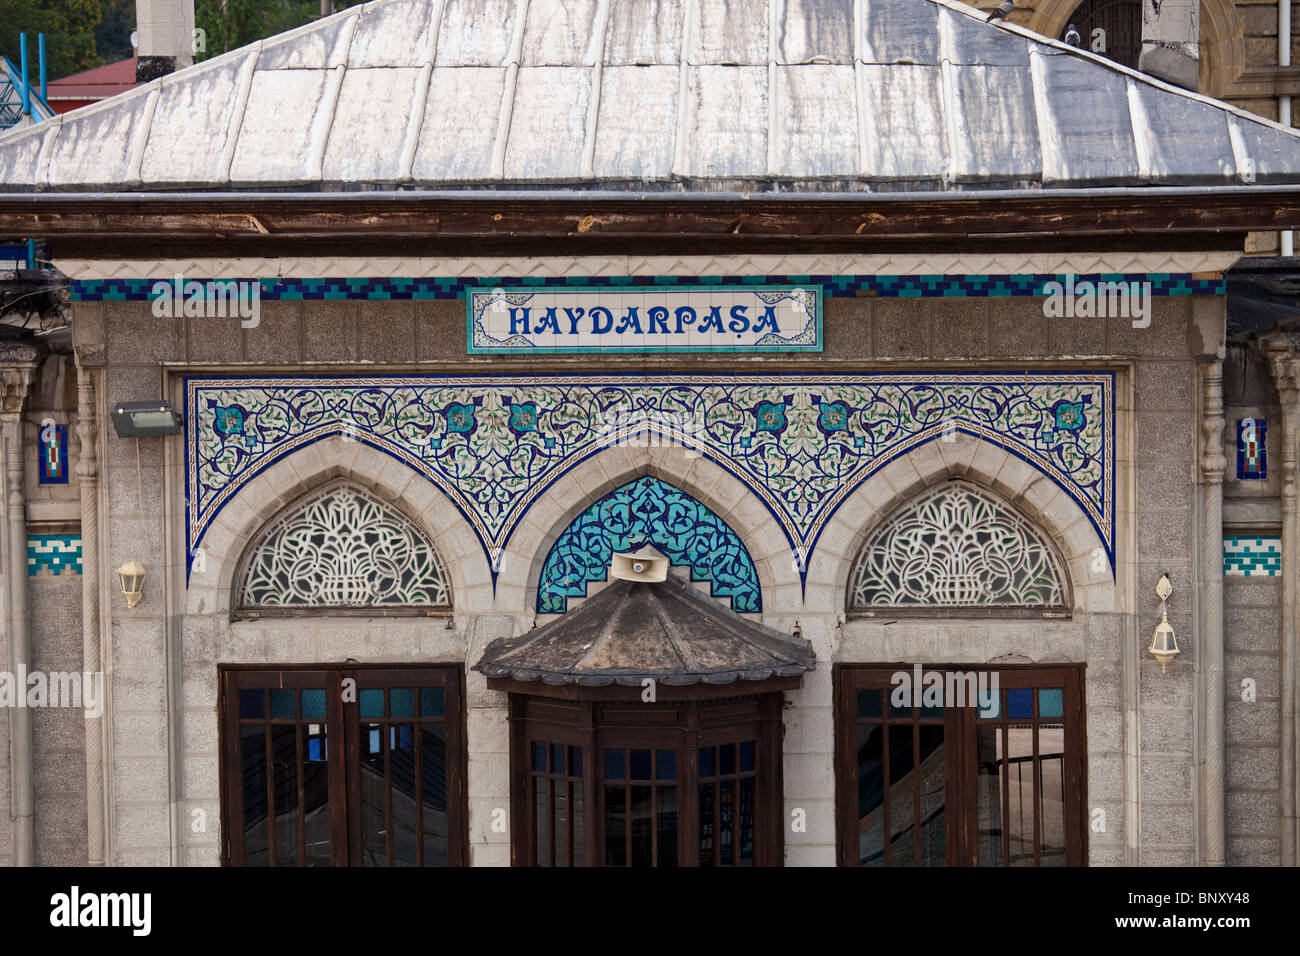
<point x="838" y="307"/>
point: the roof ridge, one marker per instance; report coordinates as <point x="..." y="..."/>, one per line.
<point x="979" y="16"/>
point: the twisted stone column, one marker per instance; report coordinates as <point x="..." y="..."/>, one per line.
<point x="88" y="476"/>
<point x="1213" y="464"/>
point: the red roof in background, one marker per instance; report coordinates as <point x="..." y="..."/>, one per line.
<point x="96" y="84"/>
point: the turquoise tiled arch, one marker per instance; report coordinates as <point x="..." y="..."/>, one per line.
<point x="648" y="511"/>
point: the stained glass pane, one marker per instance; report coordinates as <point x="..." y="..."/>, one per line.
<point x="313" y="704"/>
<point x="615" y="764"/>
<point x="252" y="703"/>
<point x="342" y="548"/>
<point x="665" y="764"/>
<point x="1020" y="703"/>
<point x="431" y="702"/>
<point x="401" y="702"/>
<point x="284" y="703"/>
<point x="957" y="547"/>
<point x="868" y="703"/>
<point x="372" y="703"/>
<point x="747" y="756"/>
<point x="1051" y="702"/>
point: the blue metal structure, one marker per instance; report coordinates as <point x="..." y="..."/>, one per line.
<point x="18" y="99"/>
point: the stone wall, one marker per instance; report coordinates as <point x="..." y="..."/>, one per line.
<point x="165" y="652"/>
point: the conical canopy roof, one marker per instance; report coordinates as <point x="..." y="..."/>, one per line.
<point x="632" y="630"/>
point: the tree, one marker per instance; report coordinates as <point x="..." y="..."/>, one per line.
<point x="230" y="24"/>
<point x="69" y="28"/>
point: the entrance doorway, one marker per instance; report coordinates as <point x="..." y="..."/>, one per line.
<point x="680" y="783"/>
<point x="345" y="765"/>
<point x="983" y="766"/>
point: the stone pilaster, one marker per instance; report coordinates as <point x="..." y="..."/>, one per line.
<point x="1284" y="365"/>
<point x="17" y="369"/>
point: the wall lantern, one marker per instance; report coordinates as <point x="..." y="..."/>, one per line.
<point x="1164" y="646"/>
<point x="146" y="419"/>
<point x="131" y="575"/>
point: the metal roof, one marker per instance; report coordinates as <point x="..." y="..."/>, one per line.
<point x="632" y="630"/>
<point x="652" y="95"/>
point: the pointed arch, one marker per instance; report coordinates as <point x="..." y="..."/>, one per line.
<point x="649" y="510"/>
<point x="339" y="547"/>
<point x="958" y="546"/>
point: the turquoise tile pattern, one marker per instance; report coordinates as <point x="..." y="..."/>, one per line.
<point x="285" y="288"/>
<point x="800" y="443"/>
<point x="53" y="554"/>
<point x="1246" y="556"/>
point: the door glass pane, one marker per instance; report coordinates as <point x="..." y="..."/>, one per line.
<point x="252" y="755"/>
<point x="401" y="758"/>
<point x="746" y="848"/>
<point x="374" y="818"/>
<point x="561" y="791"/>
<point x="1019" y="770"/>
<point x="284" y="745"/>
<point x="871" y="796"/>
<point x="615" y="826"/>
<point x="707" y="811"/>
<point x="542" y="789"/>
<point x="642" y="823"/>
<point x="579" y="838"/>
<point x="667" y="826"/>
<point x="433" y="782"/>
<point x="316" y="793"/>
<point x="902" y="796"/>
<point x="1051" y="789"/>
<point x="988" y="794"/>
<point x="726" y="822"/>
<point x="934" y="797"/>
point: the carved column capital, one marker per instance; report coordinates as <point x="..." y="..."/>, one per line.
<point x="17" y="370"/>
<point x="1213" y="461"/>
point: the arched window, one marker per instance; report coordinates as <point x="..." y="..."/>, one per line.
<point x="1112" y="28"/>
<point x="649" y="511"/>
<point x="339" y="549"/>
<point x="957" y="547"/>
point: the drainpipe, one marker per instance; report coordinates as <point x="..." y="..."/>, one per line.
<point x="1284" y="101"/>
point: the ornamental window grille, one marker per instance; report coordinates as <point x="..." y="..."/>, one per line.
<point x="342" y="549"/>
<point x="956" y="547"/>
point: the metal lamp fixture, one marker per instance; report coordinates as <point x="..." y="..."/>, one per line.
<point x="131" y="576"/>
<point x="146" y="419"/>
<point x="1164" y="645"/>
